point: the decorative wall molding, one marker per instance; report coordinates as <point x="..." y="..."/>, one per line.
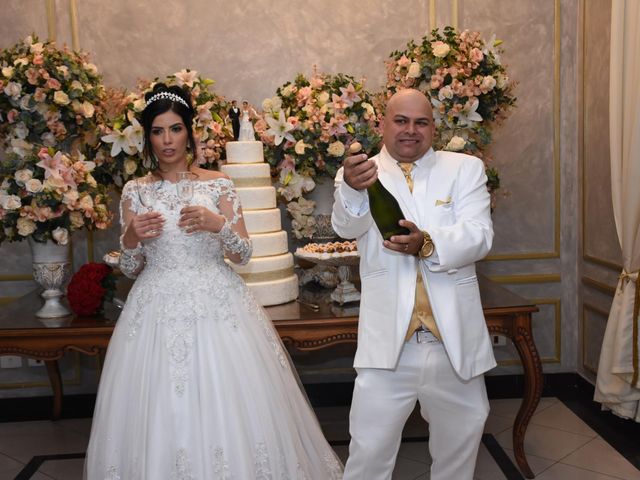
<point x="526" y="278"/>
<point x="583" y="327"/>
<point x="73" y="21"/>
<point x="557" y="323"/>
<point x="557" y="37"/>
<point x="600" y="286"/>
<point x="76" y="379"/>
<point x="582" y="119"/>
<point x="432" y="15"/>
<point x="50" y="6"/>
<point x="19" y="277"/>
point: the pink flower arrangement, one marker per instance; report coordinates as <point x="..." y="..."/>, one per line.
<point x="48" y="194"/>
<point x="307" y="128"/>
<point x="469" y="88"/>
<point x="48" y="97"/>
<point x="119" y="154"/>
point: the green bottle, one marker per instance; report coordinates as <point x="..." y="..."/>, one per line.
<point x="384" y="207"/>
<point x="386" y="211"/>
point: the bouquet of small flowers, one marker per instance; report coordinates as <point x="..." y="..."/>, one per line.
<point x="90" y="287"/>
<point x="48" y="194"/>
<point x="307" y="128"/>
<point x="468" y="86"/>
<point x="119" y="155"/>
<point x="48" y="96"/>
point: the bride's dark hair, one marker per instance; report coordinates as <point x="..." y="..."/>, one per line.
<point x="160" y="100"/>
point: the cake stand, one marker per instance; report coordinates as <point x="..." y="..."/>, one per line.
<point x="346" y="291"/>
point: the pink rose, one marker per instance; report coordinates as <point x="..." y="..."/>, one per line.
<point x="476" y="55"/>
<point x="404" y="61"/>
<point x="316" y="83"/>
<point x="12" y="115"/>
<point x="40" y="95"/>
<point x="53" y="84"/>
<point x="43" y="154"/>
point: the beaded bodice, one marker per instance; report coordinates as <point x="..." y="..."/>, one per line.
<point x="174" y="250"/>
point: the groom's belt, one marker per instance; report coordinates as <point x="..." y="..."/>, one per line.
<point x="424" y="335"/>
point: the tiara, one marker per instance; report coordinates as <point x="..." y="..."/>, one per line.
<point x="166" y="95"/>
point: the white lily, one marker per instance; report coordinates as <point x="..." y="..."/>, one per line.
<point x="280" y="128"/>
<point x="120" y="142"/>
<point x="490" y="47"/>
<point x="469" y="115"/>
<point x="186" y="77"/>
<point x="135" y="134"/>
<point x="439" y="118"/>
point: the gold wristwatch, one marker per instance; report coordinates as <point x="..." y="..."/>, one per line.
<point x="427" y="248"/>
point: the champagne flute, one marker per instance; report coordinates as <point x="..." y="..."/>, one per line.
<point x="146" y="194"/>
<point x="147" y="197"/>
<point x="184" y="187"/>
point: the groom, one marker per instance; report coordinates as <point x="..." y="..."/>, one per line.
<point x="234" y="115"/>
<point x="422" y="335"/>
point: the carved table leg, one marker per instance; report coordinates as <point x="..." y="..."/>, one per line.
<point x="532" y="389"/>
<point x="56" y="385"/>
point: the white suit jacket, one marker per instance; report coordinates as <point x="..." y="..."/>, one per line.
<point x="451" y="202"/>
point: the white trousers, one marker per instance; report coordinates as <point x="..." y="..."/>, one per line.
<point x="384" y="399"/>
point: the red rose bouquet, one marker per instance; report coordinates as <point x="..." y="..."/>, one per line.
<point x="90" y="287"/>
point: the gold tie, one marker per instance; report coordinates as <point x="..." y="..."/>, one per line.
<point x="422" y="314"/>
<point x="406" y="170"/>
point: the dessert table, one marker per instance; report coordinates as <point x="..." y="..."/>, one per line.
<point x="312" y="323"/>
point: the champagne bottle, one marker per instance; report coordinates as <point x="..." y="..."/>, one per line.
<point x="385" y="209"/>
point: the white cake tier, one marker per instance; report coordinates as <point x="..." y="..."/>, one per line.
<point x="262" y="221"/>
<point x="264" y="269"/>
<point x="244" y="152"/>
<point x="257" y="198"/>
<point x="273" y="243"/>
<point x="275" y="292"/>
<point x="248" y="174"/>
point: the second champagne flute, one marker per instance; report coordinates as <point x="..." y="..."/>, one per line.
<point x="147" y="196"/>
<point x="184" y="187"/>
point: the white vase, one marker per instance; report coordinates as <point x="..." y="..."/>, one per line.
<point x="323" y="196"/>
<point x="51" y="269"/>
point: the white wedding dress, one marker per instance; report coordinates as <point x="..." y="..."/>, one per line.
<point x="196" y="383"/>
<point x="247" y="133"/>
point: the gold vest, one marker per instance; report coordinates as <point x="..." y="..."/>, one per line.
<point x="422" y="315"/>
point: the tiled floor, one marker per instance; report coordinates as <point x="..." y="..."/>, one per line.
<point x="559" y="446"/>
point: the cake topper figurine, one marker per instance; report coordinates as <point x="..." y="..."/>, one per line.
<point x="234" y="115"/>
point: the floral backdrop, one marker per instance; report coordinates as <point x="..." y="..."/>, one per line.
<point x="66" y="137"/>
<point x="48" y="103"/>
<point x="307" y="128"/>
<point x="469" y="88"/>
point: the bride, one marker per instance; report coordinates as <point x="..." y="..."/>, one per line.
<point x="246" y="125"/>
<point x="196" y="382"/>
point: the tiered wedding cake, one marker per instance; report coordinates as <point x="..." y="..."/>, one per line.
<point x="269" y="274"/>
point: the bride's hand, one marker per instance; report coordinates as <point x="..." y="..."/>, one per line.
<point x="196" y="218"/>
<point x="143" y="227"/>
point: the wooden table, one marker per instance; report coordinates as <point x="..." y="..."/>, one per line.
<point x="299" y="326"/>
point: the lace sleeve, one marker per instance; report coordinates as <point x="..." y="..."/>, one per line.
<point x="131" y="259"/>
<point x="233" y="235"/>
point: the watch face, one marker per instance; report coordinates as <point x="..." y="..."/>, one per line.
<point x="427" y="249"/>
